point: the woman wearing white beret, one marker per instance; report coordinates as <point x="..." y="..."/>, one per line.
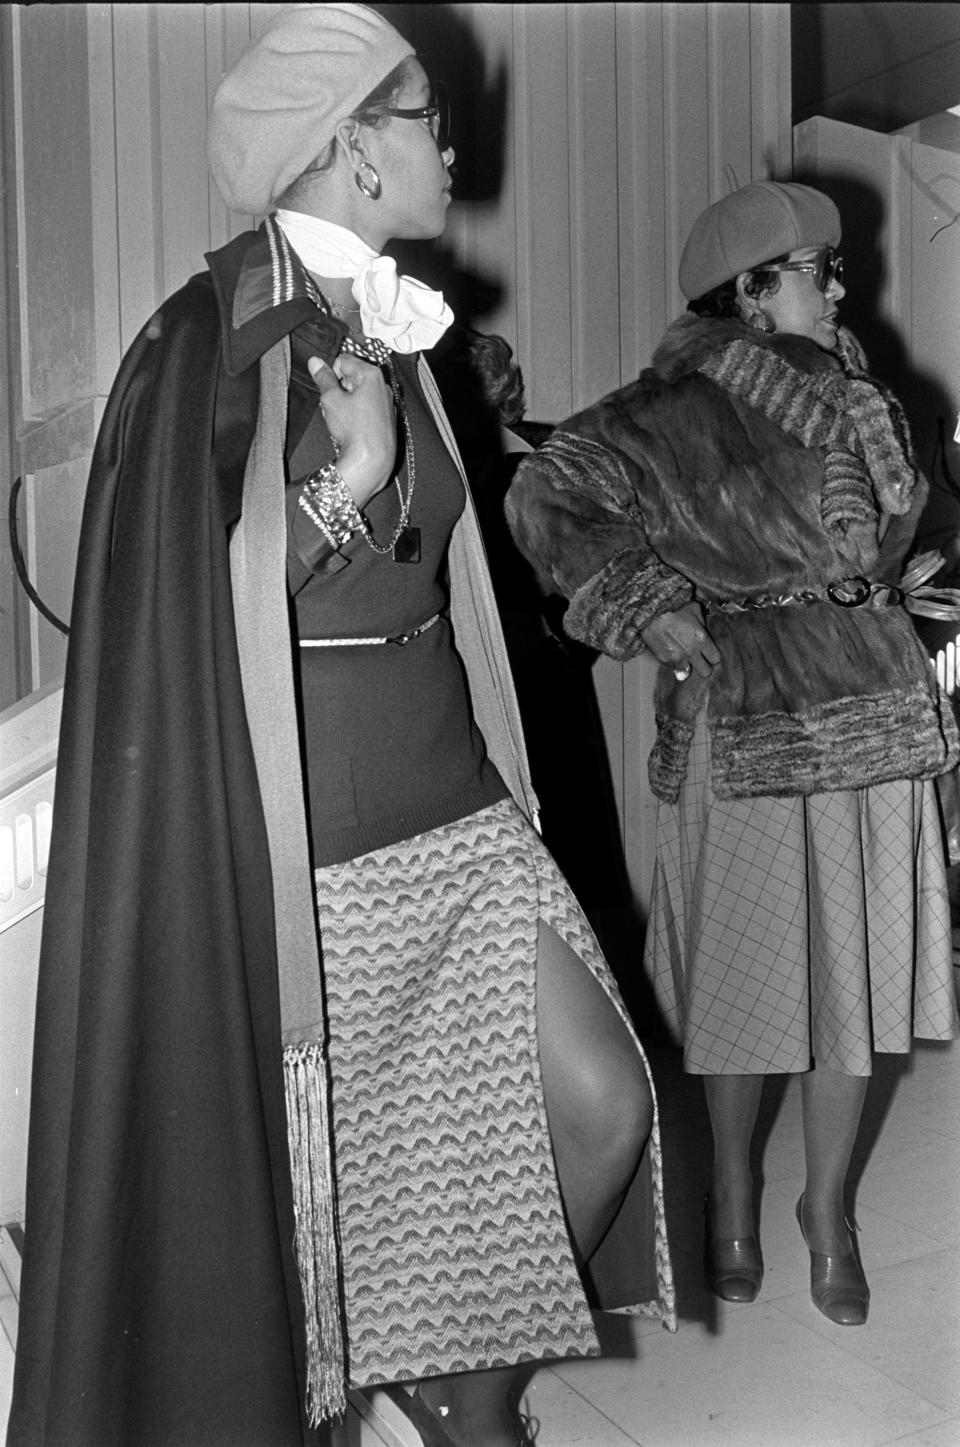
<point x="333" y="1085"/>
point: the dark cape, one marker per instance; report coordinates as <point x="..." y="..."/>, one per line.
<point x="160" y="1301"/>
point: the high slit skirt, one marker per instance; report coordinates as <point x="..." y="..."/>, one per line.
<point x="788" y="933"/>
<point x="454" y="1250"/>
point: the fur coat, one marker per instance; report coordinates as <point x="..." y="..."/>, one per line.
<point x="675" y="488"/>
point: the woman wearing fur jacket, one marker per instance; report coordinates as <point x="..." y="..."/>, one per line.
<point x="743" y="511"/>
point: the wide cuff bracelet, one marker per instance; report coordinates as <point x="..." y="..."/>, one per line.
<point x="328" y="503"/>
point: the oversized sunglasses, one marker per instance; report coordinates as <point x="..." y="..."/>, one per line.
<point x="437" y="112"/>
<point x="826" y="266"/>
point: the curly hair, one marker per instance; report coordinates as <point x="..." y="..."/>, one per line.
<point x="723" y="300"/>
<point x="500" y="376"/>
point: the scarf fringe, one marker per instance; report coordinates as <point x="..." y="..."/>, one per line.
<point x="308" y="1133"/>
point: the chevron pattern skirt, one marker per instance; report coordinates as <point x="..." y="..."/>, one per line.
<point x="454" y="1249"/>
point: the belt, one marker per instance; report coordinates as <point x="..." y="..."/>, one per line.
<point x="853" y="592"/>
<point x="859" y="592"/>
<point x="398" y="638"/>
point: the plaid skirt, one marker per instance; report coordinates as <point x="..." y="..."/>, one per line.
<point x="788" y="932"/>
<point x="454" y="1250"/>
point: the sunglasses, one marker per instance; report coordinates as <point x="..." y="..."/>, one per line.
<point x="437" y="112"/>
<point x="826" y="266"/>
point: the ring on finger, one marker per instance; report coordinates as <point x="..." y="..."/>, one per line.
<point x="683" y="672"/>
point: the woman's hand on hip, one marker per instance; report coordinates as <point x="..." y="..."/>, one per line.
<point x="359" y="411"/>
<point x="681" y="640"/>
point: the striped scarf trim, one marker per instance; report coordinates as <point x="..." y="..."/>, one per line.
<point x="869" y="466"/>
<point x="257" y="572"/>
<point x="290" y="279"/>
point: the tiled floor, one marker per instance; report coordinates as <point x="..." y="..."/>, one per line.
<point x="777" y="1373"/>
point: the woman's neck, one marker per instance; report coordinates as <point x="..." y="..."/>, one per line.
<point x="338" y="291"/>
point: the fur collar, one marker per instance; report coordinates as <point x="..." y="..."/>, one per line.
<point x="690" y="340"/>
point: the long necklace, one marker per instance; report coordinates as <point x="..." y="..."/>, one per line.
<point x="405" y="542"/>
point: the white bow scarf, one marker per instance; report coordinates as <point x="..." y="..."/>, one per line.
<point x="398" y="310"/>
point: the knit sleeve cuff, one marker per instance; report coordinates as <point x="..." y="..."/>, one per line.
<point x="610" y="611"/>
<point x="846" y="500"/>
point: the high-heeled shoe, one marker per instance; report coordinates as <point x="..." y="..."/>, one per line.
<point x="732" y="1265"/>
<point x="838" y="1286"/>
<point x="430" y="1427"/>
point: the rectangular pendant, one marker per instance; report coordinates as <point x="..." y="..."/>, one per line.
<point x="407" y="547"/>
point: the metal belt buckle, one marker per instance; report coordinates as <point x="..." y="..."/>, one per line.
<point x="403" y="638"/>
<point x="849" y="592"/>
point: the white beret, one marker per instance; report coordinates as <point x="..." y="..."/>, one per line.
<point x="275" y="110"/>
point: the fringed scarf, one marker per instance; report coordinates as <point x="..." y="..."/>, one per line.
<point x="258" y="575"/>
<point x="869" y="468"/>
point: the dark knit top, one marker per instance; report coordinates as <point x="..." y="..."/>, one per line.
<point x="390" y="746"/>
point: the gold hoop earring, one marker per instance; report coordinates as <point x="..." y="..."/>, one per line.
<point x="761" y="322"/>
<point x="370" y="189"/>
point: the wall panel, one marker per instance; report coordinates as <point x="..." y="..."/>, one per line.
<point x="131" y="105"/>
<point x="486" y="229"/>
<point x="728" y="107"/>
<point x="101" y="55"/>
<point x="595" y="300"/>
<point x="543" y="201"/>
<point x="642" y="221"/>
<point x="226" y="32"/>
<point x="687" y="63"/>
<point x="181" y="137"/>
<point x="53" y="206"/>
<point x="770" y="92"/>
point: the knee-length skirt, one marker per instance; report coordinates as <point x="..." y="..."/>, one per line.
<point x="791" y="932"/>
<point x="454" y="1250"/>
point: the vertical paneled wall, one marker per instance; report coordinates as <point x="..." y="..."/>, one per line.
<point x="616" y="125"/>
<point x="48" y="276"/>
<point x="593" y="135"/>
<point x="153" y="71"/>
<point x="589" y="137"/>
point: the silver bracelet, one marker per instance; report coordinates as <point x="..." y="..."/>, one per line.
<point x="329" y="504"/>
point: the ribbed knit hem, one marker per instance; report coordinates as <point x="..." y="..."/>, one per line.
<point x="849" y="743"/>
<point x="342" y="844"/>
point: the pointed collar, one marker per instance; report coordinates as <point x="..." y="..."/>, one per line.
<point x="264" y="293"/>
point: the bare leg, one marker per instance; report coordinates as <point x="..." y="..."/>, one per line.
<point x="599" y="1105"/>
<point x="832" y="1106"/>
<point x="732" y="1104"/>
<point x="600" y="1110"/>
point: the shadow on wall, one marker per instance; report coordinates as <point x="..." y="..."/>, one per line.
<point x="569" y="764"/>
<point x="449" y="51"/>
<point x="924" y="399"/>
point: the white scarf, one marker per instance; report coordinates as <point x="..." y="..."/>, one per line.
<point x="403" y="313"/>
